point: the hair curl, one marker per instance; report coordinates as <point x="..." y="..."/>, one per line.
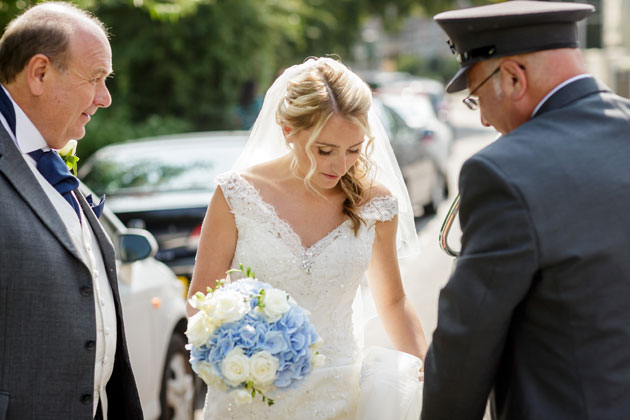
<point x="325" y="89"/>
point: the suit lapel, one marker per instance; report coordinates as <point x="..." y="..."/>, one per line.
<point x="572" y="92"/>
<point x="19" y="174"/>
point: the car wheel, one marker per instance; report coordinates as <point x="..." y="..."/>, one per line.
<point x="178" y="390"/>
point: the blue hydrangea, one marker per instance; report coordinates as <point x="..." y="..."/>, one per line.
<point x="289" y="339"/>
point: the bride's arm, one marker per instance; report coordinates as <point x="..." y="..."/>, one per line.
<point x="400" y="320"/>
<point x="216" y="247"/>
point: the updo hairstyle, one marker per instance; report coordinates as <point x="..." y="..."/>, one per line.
<point x="322" y="90"/>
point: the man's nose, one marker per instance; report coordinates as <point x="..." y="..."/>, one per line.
<point x="102" y="98"/>
<point x="484" y="122"/>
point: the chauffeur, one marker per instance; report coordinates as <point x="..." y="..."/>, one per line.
<point x="537" y="311"/>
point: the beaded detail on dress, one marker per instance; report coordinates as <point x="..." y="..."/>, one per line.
<point x="323" y="279"/>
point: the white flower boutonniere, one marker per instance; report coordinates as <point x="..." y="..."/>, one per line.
<point x="68" y="154"/>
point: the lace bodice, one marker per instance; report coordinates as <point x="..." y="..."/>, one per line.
<point x="322" y="278"/>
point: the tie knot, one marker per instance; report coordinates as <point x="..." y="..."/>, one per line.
<point x="54" y="169"/>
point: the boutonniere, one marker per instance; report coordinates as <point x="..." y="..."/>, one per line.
<point x="69" y="155"/>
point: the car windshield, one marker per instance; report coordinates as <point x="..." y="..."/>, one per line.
<point x="159" y="169"/>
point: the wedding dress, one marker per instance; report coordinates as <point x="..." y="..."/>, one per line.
<point x="323" y="278"/>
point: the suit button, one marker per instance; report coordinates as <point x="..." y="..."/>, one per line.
<point x="90" y="345"/>
<point x="86" y="398"/>
<point x="86" y="291"/>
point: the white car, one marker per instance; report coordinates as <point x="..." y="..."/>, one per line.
<point x="155" y="320"/>
<point x="417" y="111"/>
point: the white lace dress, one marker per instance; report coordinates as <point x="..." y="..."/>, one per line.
<point x="323" y="279"/>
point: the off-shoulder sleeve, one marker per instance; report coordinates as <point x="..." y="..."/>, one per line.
<point x="381" y="208"/>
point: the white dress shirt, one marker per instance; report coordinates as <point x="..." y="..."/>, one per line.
<point x="30" y="139"/>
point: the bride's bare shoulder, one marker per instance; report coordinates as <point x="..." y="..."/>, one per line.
<point x="377" y="190"/>
<point x="263" y="174"/>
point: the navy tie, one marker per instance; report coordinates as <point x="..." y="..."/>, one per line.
<point x="49" y="164"/>
<point x="6" y="107"/>
<point x="54" y="169"/>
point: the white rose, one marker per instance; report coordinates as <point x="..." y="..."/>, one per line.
<point x="203" y="302"/>
<point x="263" y="368"/>
<point x="276" y="304"/>
<point x="229" y="306"/>
<point x="199" y="330"/>
<point x="242" y="396"/>
<point x="196" y="300"/>
<point x="210" y="376"/>
<point x="318" y="360"/>
<point x="235" y="367"/>
<point x="318" y="343"/>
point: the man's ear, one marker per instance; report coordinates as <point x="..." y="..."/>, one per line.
<point x="515" y="81"/>
<point x="38" y="71"/>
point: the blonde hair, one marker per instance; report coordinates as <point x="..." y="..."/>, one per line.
<point x="325" y="89"/>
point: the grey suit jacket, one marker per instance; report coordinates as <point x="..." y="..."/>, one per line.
<point x="47" y="315"/>
<point x="538" y="307"/>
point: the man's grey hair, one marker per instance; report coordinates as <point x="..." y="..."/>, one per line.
<point x="45" y="28"/>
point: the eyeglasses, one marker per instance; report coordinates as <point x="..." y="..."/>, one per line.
<point x="471" y="101"/>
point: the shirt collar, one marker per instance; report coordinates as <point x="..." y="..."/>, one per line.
<point x="28" y="137"/>
<point x="557" y="88"/>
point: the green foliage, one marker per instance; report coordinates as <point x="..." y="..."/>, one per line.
<point x="180" y="64"/>
<point x="440" y="68"/>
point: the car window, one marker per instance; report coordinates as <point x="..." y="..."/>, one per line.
<point x="160" y="169"/>
<point x="416" y="111"/>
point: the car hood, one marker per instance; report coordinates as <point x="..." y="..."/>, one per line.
<point x="126" y="203"/>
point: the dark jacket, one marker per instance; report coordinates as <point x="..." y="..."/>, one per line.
<point x="538" y="308"/>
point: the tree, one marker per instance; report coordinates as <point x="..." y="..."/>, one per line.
<point x="180" y="64"/>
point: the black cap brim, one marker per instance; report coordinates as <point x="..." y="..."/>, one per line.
<point x="458" y="82"/>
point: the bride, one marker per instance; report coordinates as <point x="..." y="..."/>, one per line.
<point x="310" y="212"/>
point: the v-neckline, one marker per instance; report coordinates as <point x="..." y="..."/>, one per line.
<point x="297" y="239"/>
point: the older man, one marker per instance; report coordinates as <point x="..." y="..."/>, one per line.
<point x="536" y="312"/>
<point x="62" y="345"/>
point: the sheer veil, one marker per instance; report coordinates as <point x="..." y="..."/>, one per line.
<point x="266" y="142"/>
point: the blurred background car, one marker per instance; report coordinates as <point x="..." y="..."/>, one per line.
<point x="418" y="113"/>
<point x="432" y="89"/>
<point x="401" y="83"/>
<point x="164" y="184"/>
<point x="155" y="320"/>
<point x="423" y="172"/>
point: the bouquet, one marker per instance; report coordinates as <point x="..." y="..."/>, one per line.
<point x="249" y="338"/>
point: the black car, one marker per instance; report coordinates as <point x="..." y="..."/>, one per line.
<point x="164" y="184"/>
